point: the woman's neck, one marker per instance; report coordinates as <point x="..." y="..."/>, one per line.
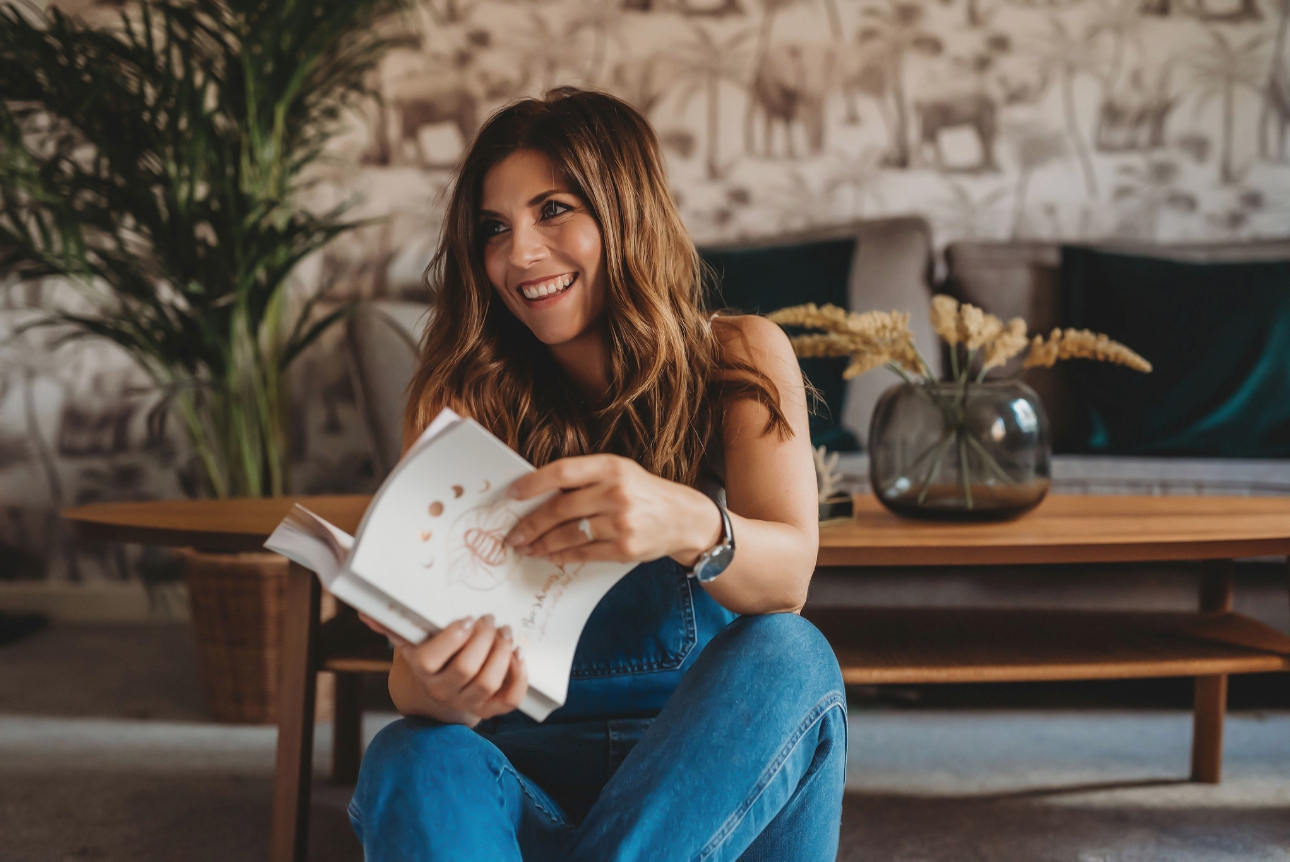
<point x="583" y="359"/>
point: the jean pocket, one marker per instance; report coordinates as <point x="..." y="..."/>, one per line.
<point x="645" y="624"/>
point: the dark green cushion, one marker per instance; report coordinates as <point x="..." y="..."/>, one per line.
<point x="1218" y="335"/>
<point x="761" y="280"/>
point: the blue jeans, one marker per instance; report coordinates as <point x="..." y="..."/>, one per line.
<point x="746" y="760"/>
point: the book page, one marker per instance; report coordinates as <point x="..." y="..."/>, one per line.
<point x="312" y="542"/>
<point x="433" y="541"/>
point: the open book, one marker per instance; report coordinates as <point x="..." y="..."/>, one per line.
<point x="429" y="551"/>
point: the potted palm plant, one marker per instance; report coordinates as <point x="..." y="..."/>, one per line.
<point x="156" y="165"/>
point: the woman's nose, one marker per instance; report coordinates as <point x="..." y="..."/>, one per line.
<point x="527" y="246"/>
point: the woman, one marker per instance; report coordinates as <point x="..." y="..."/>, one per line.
<point x="704" y="719"/>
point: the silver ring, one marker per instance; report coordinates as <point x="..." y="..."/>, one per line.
<point x="584" y="527"/>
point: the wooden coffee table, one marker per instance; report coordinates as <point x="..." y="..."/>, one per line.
<point x="873" y="645"/>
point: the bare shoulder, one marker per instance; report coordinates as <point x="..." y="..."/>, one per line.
<point x="755" y="340"/>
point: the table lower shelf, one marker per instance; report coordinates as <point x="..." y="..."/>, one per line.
<point x="953" y="645"/>
<point x="948" y="645"/>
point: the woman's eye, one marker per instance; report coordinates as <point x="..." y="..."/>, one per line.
<point x="492" y="228"/>
<point x="551" y="209"/>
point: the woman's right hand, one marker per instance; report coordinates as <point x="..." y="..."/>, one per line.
<point x="467" y="672"/>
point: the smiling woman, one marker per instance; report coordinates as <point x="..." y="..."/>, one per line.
<point x="574" y="185"/>
<point x="568" y="321"/>
<point x="542" y="251"/>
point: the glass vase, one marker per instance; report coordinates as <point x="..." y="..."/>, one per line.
<point x="959" y="451"/>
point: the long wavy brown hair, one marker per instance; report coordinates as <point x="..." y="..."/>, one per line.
<point x="670" y="380"/>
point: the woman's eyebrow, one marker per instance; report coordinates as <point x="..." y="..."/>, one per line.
<point x="538" y="198"/>
<point x="533" y="201"/>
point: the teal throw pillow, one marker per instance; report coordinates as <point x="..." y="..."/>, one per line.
<point x="1218" y="336"/>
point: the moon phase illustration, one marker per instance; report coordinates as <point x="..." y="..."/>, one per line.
<point x="424" y="535"/>
<point x="436" y="509"/>
<point x="478" y="556"/>
<point x="457" y="491"/>
<point x="487" y="485"/>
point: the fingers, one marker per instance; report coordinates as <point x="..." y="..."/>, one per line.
<point x="566" y="474"/>
<point x="588" y="553"/>
<point x="468" y="661"/>
<point x="570" y="535"/>
<point x="491" y="676"/>
<point x="512" y="692"/>
<point x="560" y="509"/>
<point x="480" y="674"/>
<point x="430" y="656"/>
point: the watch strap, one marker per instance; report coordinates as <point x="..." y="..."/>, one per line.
<point x="714" y="561"/>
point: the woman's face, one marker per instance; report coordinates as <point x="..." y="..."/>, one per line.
<point x="542" y="250"/>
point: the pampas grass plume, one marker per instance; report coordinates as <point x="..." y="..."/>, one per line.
<point x="1082" y="344"/>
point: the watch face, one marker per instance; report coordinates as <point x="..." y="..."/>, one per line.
<point x="716" y="564"/>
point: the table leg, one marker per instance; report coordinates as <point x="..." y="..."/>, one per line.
<point x="347" y="728"/>
<point x="1210" y="700"/>
<point x="293" y="773"/>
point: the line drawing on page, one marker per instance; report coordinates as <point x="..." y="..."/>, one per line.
<point x="478" y="556"/>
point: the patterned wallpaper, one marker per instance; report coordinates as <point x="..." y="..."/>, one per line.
<point x="1054" y="119"/>
<point x="996" y="119"/>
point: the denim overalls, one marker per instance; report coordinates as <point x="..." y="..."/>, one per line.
<point x="641" y="638"/>
<point x="737" y="724"/>
<point x="644" y="635"/>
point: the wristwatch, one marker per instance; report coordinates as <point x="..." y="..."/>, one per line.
<point x="715" y="560"/>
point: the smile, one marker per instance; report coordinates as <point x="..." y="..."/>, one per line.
<point x="558" y="284"/>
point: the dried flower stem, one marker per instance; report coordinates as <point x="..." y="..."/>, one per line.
<point x="964" y="474"/>
<point x="990" y="462"/>
<point x="877" y="338"/>
<point x="942" y="447"/>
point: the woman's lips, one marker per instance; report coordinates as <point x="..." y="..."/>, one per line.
<point x="544" y="291"/>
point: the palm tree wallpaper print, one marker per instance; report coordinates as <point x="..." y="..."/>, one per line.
<point x="996" y="119"/>
<point x="1054" y="119"/>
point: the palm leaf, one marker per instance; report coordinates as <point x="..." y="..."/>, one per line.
<point x="157" y="163"/>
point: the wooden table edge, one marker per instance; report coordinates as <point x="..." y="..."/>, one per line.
<point x="1048" y="554"/>
<point x="95" y="531"/>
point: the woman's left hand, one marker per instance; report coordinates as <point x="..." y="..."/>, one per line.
<point x="631" y="514"/>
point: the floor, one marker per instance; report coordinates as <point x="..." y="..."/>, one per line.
<point x="105" y="755"/>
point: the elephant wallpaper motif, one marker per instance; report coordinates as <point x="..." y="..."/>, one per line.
<point x="995" y="119"/>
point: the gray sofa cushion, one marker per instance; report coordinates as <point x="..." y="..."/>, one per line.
<point x="383" y="337"/>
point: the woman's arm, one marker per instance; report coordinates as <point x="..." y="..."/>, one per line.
<point x="770" y="484"/>
<point x="636" y="516"/>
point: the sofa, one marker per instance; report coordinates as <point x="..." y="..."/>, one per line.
<point x="892" y="267"/>
<point x="1025" y="279"/>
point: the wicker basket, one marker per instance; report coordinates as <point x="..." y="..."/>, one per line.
<point x="237" y="616"/>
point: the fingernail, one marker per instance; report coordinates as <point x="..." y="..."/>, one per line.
<point x="504" y="632"/>
<point x="487" y="619"/>
<point x="514" y="537"/>
<point x="467" y="624"/>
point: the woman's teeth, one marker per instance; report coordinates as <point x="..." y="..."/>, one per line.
<point x="548" y="287"/>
